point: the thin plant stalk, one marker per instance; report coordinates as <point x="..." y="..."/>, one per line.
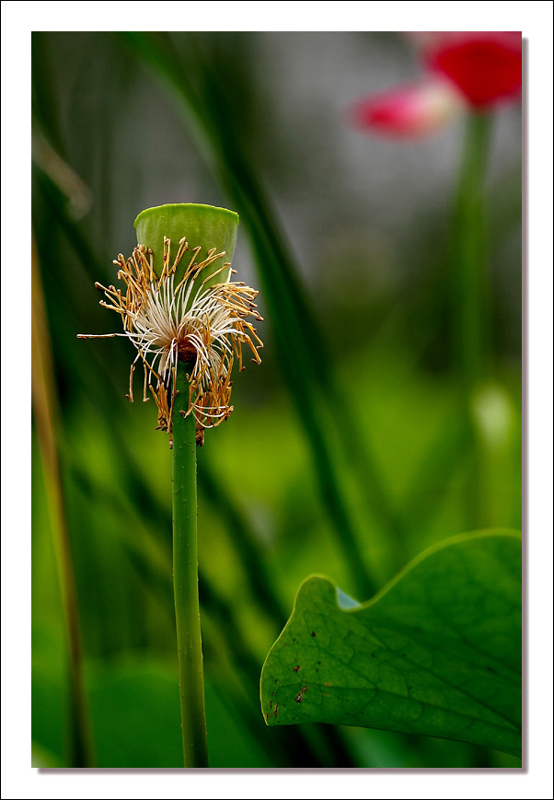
<point x="81" y="748"/>
<point x="470" y="298"/>
<point x="185" y="580"/>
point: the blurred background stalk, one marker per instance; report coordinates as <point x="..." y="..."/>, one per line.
<point x="79" y="738"/>
<point x="471" y="304"/>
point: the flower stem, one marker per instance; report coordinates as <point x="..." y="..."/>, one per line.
<point x="185" y="580"/>
<point x="470" y="301"/>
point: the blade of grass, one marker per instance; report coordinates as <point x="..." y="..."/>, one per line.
<point x="298" y="340"/>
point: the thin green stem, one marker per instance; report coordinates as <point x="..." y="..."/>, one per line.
<point x="470" y="300"/>
<point x="185" y="581"/>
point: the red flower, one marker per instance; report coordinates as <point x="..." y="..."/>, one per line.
<point x="484" y="65"/>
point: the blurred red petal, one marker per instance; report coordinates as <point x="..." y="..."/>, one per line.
<point x="408" y="111"/>
<point x="484" y="65"/>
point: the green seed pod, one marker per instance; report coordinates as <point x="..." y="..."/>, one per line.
<point x="205" y="227"/>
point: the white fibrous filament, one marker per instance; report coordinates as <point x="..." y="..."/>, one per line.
<point x="197" y="324"/>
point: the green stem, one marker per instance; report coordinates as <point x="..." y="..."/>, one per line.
<point x="470" y="300"/>
<point x="185" y="580"/>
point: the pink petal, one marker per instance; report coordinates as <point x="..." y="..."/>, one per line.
<point x="408" y="111"/>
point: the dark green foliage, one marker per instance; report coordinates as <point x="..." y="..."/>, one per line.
<point x="438" y="652"/>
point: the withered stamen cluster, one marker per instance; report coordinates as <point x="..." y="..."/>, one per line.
<point x="202" y="326"/>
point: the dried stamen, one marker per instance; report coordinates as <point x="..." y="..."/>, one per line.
<point x="204" y="326"/>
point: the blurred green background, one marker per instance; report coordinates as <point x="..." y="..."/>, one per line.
<point x="347" y="453"/>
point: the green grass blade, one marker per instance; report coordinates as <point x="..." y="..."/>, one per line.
<point x="298" y="339"/>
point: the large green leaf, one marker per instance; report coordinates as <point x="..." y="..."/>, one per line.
<point x="436" y="652"/>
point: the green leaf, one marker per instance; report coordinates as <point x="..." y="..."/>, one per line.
<point x="436" y="652"/>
